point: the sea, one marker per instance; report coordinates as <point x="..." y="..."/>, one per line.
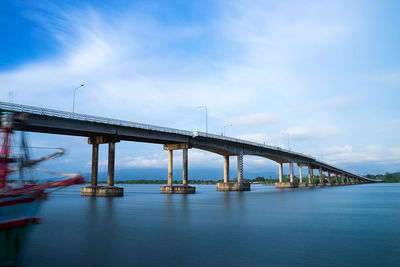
<point x="356" y="225"/>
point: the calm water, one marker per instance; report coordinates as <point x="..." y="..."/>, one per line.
<point x="338" y="226"/>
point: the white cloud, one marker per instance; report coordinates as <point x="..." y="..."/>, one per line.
<point x="136" y="68"/>
<point x="304" y="133"/>
<point x="375" y="154"/>
<point x="197" y="158"/>
<point x="392" y="77"/>
<point x="255" y="119"/>
<point x="337" y="149"/>
<point x="396" y="121"/>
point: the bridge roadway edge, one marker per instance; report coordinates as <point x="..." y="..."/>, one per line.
<point x="65" y="123"/>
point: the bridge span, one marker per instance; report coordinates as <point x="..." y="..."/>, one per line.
<point x="101" y="130"/>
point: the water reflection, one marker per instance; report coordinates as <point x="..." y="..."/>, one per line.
<point x="221" y="228"/>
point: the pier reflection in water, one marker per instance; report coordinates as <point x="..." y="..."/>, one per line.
<point x="346" y="226"/>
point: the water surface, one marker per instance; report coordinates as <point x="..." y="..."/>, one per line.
<point x="333" y="226"/>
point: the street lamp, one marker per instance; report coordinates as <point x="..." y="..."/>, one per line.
<point x="205" y="107"/>
<point x="73" y="102"/>
<point x="225" y="128"/>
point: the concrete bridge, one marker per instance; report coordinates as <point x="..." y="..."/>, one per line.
<point x="100" y="130"/>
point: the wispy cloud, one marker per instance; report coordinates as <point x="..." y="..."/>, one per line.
<point x="304" y="133"/>
<point x="376" y="154"/>
<point x="248" y="64"/>
<point x="255" y="119"/>
<point x="392" y="77"/>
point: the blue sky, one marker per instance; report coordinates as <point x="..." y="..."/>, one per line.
<point x="326" y="73"/>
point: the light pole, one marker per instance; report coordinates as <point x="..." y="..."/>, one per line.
<point x="73" y="102"/>
<point x="229" y="125"/>
<point x="205" y="107"/>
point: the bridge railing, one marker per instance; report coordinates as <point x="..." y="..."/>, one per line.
<point x="246" y="142"/>
<point x="82" y="117"/>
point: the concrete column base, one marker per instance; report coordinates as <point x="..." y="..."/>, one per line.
<point x="286" y="185"/>
<point x="321" y="185"/>
<point x="102" y="191"/>
<point x="233" y="187"/>
<point x="329" y="184"/>
<point x="177" y="189"/>
<point x="311" y="185"/>
<point x="302" y="185"/>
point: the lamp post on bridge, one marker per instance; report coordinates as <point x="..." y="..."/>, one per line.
<point x="73" y="101"/>
<point x="229" y="125"/>
<point x="205" y="107"/>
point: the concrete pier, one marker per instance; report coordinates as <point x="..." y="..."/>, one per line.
<point x="300" y="174"/>
<point x="102" y="191"/>
<point x="226" y="169"/>
<point x="111" y="164"/>
<point x="170" y="166"/>
<point x="301" y="183"/>
<point x="95" y="163"/>
<point x="321" y="178"/>
<point x="228" y="186"/>
<point x="185" y="167"/>
<point x="282" y="184"/>
<point x="291" y="173"/>
<point x="177" y="189"/>
<point x="233" y="186"/>
<point x="329" y="179"/>
<point x="286" y="185"/>
<point x="310" y="177"/>
<point x="242" y="186"/>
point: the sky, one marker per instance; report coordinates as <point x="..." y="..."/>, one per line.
<point x="318" y="77"/>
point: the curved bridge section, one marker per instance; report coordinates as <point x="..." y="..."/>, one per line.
<point x="101" y="130"/>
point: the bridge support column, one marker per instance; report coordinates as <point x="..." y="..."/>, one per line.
<point x="291" y="183"/>
<point x="242" y="186"/>
<point x="177" y="189"/>
<point x="300" y="174"/>
<point x="226" y="169"/>
<point x="111" y="164"/>
<point x="185" y="167"/>
<point x="170" y="166"/>
<point x="228" y="186"/>
<point x="104" y="191"/>
<point x="329" y="179"/>
<point x="95" y="164"/>
<point x="321" y="177"/>
<point x="310" y="177"/>
<point x="240" y="168"/>
<point x="301" y="184"/>
<point x="291" y="173"/>
<point x="336" y="179"/>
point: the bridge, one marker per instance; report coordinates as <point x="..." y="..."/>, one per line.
<point x="101" y="130"/>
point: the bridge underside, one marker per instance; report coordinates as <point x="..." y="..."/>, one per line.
<point x="110" y="131"/>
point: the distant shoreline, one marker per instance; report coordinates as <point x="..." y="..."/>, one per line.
<point x="387" y="178"/>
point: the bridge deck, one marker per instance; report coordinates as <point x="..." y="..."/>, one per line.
<point x="67" y="123"/>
